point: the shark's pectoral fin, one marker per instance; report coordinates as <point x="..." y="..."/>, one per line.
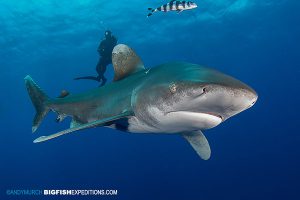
<point x="125" y="62"/>
<point x="199" y="143"/>
<point x="84" y="126"/>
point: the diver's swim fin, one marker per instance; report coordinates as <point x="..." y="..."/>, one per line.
<point x="199" y="142"/>
<point x="84" y="126"/>
<point x="95" y="78"/>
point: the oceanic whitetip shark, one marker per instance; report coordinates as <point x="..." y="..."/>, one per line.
<point x="172" y="98"/>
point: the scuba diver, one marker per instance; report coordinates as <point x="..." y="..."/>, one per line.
<point x="105" y="52"/>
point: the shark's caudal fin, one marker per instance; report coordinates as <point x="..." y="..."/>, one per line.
<point x="199" y="142"/>
<point x="39" y="99"/>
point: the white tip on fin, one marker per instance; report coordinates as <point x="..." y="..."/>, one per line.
<point x="74" y="123"/>
<point x="34" y="128"/>
<point x="199" y="142"/>
<point x="125" y="61"/>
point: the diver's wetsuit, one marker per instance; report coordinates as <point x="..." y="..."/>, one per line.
<point x="105" y="51"/>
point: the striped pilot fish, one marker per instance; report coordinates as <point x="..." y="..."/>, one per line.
<point x="174" y="5"/>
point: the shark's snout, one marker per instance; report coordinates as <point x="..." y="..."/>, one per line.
<point x="227" y="101"/>
<point x="253" y="98"/>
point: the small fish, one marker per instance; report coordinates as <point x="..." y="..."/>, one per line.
<point x="174" y="5"/>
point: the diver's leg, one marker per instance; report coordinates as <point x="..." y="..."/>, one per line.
<point x="99" y="66"/>
<point x="98" y="69"/>
<point x="103" y="69"/>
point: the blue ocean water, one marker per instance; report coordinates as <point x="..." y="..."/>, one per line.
<point x="255" y="155"/>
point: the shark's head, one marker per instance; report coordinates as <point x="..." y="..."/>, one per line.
<point x="206" y="90"/>
<point x="194" y="97"/>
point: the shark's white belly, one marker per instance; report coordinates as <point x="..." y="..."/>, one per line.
<point x="173" y="122"/>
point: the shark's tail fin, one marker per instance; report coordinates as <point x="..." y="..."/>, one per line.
<point x="39" y="99"/>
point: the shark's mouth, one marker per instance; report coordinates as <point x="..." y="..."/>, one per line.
<point x="194" y="119"/>
<point x="199" y="113"/>
<point x="213" y="114"/>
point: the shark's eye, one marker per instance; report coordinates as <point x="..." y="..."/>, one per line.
<point x="173" y="88"/>
<point x="204" y="90"/>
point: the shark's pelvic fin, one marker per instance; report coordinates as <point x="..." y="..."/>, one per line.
<point x="199" y="143"/>
<point x="125" y="61"/>
<point x="84" y="126"/>
<point x="39" y="99"/>
<point x="74" y="123"/>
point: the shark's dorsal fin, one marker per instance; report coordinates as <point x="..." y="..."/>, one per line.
<point x="84" y="126"/>
<point x="199" y="142"/>
<point x="125" y="61"/>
